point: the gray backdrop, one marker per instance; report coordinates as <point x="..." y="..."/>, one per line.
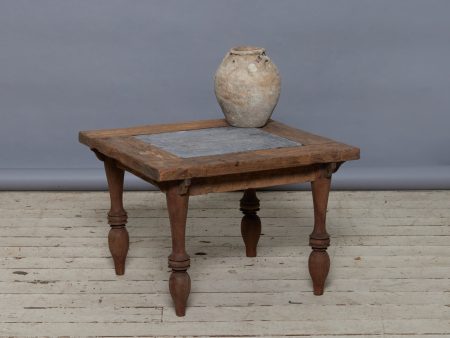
<point x="375" y="74"/>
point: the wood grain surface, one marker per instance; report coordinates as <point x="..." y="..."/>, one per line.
<point x="157" y="165"/>
<point x="389" y="275"/>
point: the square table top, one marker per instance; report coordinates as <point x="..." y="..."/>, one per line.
<point x="209" y="148"/>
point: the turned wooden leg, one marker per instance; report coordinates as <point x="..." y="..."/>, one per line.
<point x="117" y="217"/>
<point x="319" y="240"/>
<point x="250" y="224"/>
<point x="179" y="261"/>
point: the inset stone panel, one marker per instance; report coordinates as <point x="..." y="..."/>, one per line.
<point x="216" y="141"/>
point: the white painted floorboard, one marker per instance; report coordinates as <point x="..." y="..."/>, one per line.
<point x="390" y="272"/>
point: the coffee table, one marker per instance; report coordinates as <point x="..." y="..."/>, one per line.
<point x="200" y="157"/>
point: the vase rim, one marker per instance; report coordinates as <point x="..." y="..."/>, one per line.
<point x="247" y="50"/>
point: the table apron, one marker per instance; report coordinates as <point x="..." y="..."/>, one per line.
<point x="260" y="179"/>
<point x="242" y="181"/>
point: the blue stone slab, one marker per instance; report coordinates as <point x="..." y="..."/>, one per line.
<point x="216" y="141"/>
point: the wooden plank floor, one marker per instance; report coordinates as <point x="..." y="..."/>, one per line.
<point x="390" y="273"/>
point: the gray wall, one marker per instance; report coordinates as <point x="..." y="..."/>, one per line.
<point x="374" y="74"/>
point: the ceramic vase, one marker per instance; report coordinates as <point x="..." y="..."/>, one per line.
<point x="247" y="86"/>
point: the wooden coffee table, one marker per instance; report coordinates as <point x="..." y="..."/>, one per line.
<point x="201" y="157"/>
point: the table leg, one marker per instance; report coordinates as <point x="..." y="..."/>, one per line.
<point x="251" y="223"/>
<point x="118" y="239"/>
<point x="179" y="261"/>
<point x="319" y="240"/>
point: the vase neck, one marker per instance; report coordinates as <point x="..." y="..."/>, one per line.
<point x="247" y="50"/>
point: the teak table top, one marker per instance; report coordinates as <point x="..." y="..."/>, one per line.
<point x="171" y="155"/>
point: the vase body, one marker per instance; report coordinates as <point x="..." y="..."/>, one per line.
<point x="247" y="86"/>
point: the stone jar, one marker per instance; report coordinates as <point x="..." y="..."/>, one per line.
<point x="247" y="86"/>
